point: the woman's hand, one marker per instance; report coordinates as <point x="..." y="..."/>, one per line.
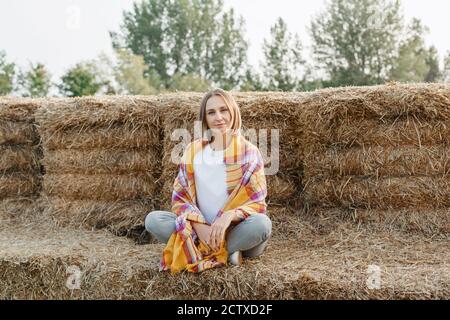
<point x="218" y="230"/>
<point x="203" y="231"/>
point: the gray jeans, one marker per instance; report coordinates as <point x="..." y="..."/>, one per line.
<point x="249" y="236"/>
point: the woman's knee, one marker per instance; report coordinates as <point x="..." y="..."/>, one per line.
<point x="155" y="219"/>
<point x="261" y="225"/>
<point x="252" y="233"/>
<point x="150" y="220"/>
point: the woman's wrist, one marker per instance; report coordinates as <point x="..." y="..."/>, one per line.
<point x="234" y="217"/>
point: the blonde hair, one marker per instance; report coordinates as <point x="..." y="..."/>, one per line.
<point x="232" y="105"/>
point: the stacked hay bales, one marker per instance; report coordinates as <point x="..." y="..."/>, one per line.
<point x="380" y="153"/>
<point x="179" y="112"/>
<point x="265" y="111"/>
<point x="101" y="160"/>
<point x="324" y="255"/>
<point x="271" y="112"/>
<point x="20" y="175"/>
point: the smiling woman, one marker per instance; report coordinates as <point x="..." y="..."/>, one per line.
<point x="218" y="201"/>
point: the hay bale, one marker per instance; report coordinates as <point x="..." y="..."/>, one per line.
<point x="99" y="138"/>
<point x="384" y="193"/>
<point x="22" y="158"/>
<point x="117" y="216"/>
<point x="283" y="189"/>
<point x="18" y="184"/>
<point x="427" y="223"/>
<point x="17" y="109"/>
<point x="130" y="112"/>
<point x="393" y="115"/>
<point x="107" y="187"/>
<point x="364" y="133"/>
<point x="276" y="112"/>
<point x="381" y="152"/>
<point x="382" y="148"/>
<point x="258" y="112"/>
<point x="378" y="162"/>
<point x="17" y="133"/>
<point x="102" y="161"/>
<point x="115" y="268"/>
<point x="18" y="207"/>
<point x="423" y="101"/>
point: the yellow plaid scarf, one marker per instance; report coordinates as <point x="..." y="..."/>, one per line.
<point x="247" y="189"/>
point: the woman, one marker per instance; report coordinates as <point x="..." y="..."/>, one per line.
<point x="218" y="202"/>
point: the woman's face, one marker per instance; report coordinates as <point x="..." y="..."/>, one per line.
<point x="218" y="117"/>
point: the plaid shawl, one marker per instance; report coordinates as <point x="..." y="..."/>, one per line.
<point x="247" y="189"/>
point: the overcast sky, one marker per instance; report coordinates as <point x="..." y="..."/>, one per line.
<point x="60" y="33"/>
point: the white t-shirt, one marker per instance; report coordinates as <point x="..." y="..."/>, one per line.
<point x="210" y="182"/>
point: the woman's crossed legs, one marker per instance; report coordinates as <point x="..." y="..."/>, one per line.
<point x="249" y="236"/>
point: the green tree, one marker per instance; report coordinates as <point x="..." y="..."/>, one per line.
<point x="445" y="76"/>
<point x="185" y="37"/>
<point x="432" y="61"/>
<point x="81" y="80"/>
<point x="229" y="56"/>
<point x="252" y="82"/>
<point x="283" y="61"/>
<point x="104" y="69"/>
<point x="35" y="82"/>
<point x="131" y="75"/>
<point x="7" y="74"/>
<point x="189" y="82"/>
<point x="203" y="32"/>
<point x="355" y="42"/>
<point x="142" y="31"/>
<point x="411" y="64"/>
<point x="311" y="80"/>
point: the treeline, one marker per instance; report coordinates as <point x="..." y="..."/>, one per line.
<point x="193" y="45"/>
